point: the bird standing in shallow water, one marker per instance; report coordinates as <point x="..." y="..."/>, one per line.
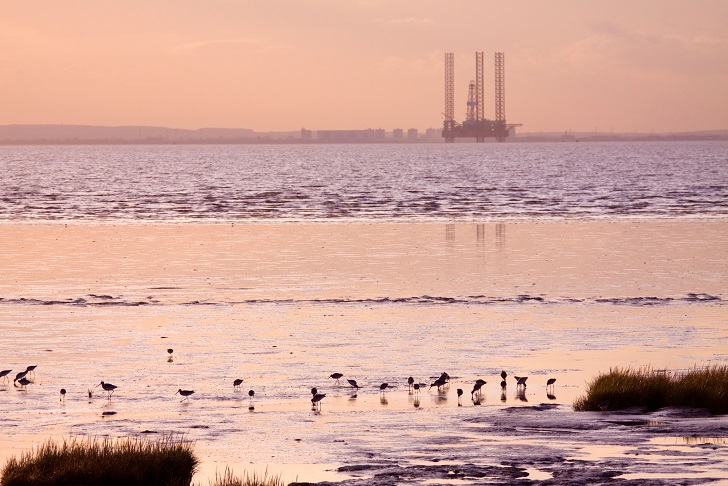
<point x="185" y="393"/>
<point x="383" y="387"/>
<point x="63" y="395"/>
<point x="416" y="386"/>
<point x="170" y="351"/>
<point x="503" y="374"/>
<point x="353" y="383"/>
<point x="336" y="376"/>
<point x="251" y="394"/>
<point x="316" y="400"/>
<point x="237" y="383"/>
<point x="31" y="369"/>
<point x="4" y="375"/>
<point x="521" y="381"/>
<point x="550" y="382"/>
<point x="107" y="387"/>
<point x="20" y="376"/>
<point x="24" y="382"/>
<point x="410" y="382"/>
<point x="460" y="394"/>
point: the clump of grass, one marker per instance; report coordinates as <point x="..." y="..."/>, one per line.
<point x="229" y="479"/>
<point x="95" y="462"/>
<point x="627" y="387"/>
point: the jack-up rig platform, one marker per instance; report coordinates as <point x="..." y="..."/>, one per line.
<point x="476" y="125"/>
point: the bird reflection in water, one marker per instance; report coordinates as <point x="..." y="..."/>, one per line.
<point x="383" y="399"/>
<point x="521" y="394"/>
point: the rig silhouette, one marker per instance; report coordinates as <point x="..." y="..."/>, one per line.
<point x="475" y="124"/>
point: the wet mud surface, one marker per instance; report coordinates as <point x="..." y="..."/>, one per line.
<point x="550" y="444"/>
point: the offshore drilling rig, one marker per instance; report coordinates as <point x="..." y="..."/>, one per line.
<point x="475" y="124"/>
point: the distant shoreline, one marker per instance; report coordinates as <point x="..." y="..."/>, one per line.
<point x="139" y="135"/>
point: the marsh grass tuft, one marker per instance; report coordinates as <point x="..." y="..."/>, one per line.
<point x="229" y="479"/>
<point x="168" y="461"/>
<point x="627" y="387"/>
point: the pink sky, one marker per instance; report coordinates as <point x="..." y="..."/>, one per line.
<point x="644" y="65"/>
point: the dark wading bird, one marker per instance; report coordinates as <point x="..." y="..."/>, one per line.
<point x="63" y="395"/>
<point x="521" y="381"/>
<point x="550" y="382"/>
<point x="410" y="382"/>
<point x="336" y="376"/>
<point x="383" y="387"/>
<point x="353" y="383"/>
<point x="460" y="394"/>
<point x="251" y="394"/>
<point x="476" y="390"/>
<point x="503" y="374"/>
<point x="4" y="374"/>
<point x="24" y="382"/>
<point x="31" y="369"/>
<point x="185" y="393"/>
<point x="20" y="375"/>
<point x="439" y="383"/>
<point x="316" y="400"/>
<point x="416" y="386"/>
<point x="108" y="387"/>
<point x="237" y="383"/>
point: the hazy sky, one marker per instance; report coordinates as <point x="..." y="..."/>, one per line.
<point x="622" y="65"/>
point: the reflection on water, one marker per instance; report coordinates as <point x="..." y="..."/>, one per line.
<point x="689" y="440"/>
<point x="500" y="236"/>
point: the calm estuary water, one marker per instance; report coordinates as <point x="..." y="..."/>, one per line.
<point x="432" y="182"/>
<point x="280" y="265"/>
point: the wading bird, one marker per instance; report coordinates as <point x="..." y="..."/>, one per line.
<point x="20" y="375"/>
<point x="4" y="374"/>
<point x="460" y="394"/>
<point x="24" y="382"/>
<point x="521" y="381"/>
<point x="410" y="382"/>
<point x="336" y="376"/>
<point x="439" y="383"/>
<point x="316" y="400"/>
<point x="550" y="382"/>
<point x="383" y="387"/>
<point x="185" y="393"/>
<point x="170" y="351"/>
<point x="503" y="374"/>
<point x="353" y="383"/>
<point x="107" y="387"/>
<point x="31" y="369"/>
<point x="63" y="395"/>
<point x="237" y="383"/>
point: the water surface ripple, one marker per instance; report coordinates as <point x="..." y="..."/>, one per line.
<point x="365" y="182"/>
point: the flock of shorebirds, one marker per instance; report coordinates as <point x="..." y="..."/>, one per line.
<point x="441" y="383"/>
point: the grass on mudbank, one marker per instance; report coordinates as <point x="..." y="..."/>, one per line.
<point x="107" y="462"/>
<point x="626" y="387"/>
<point x="229" y="479"/>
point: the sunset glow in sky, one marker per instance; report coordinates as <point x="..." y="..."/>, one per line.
<point x="646" y="65"/>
